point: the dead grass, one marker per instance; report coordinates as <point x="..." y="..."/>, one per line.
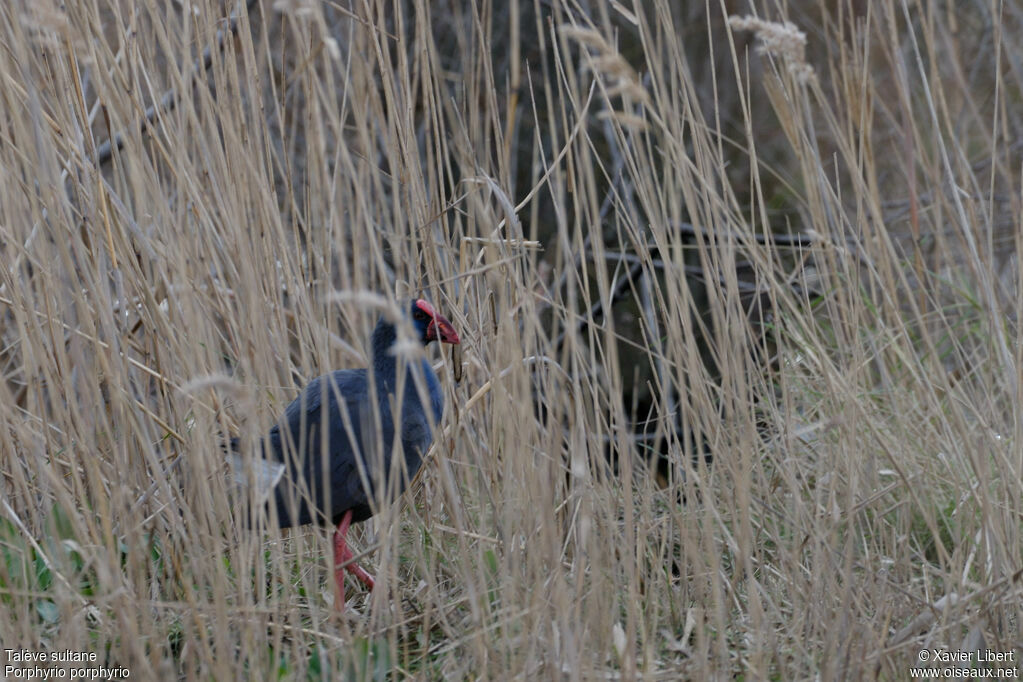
<point x="864" y="500"/>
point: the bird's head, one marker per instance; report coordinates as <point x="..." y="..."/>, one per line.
<point x="431" y="325"/>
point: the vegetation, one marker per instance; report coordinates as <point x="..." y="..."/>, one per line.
<point x="739" y="304"/>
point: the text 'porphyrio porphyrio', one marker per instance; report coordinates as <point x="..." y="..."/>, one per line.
<point x="336" y="440"/>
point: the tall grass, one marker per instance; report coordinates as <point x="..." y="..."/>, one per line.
<point x="530" y="167"/>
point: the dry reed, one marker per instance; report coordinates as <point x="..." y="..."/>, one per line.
<point x="528" y="166"/>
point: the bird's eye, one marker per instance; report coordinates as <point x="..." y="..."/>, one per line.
<point x="419" y="315"/>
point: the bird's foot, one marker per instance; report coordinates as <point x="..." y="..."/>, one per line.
<point x="356" y="570"/>
<point x="343" y="562"/>
<point x="365" y="578"/>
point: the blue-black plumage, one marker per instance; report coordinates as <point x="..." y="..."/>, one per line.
<point x="336" y="439"/>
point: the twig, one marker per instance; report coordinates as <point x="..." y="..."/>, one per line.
<point x="169" y="100"/>
<point x="798" y="239"/>
<point x="597" y="309"/>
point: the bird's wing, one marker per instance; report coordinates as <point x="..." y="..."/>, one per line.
<point x="416" y="427"/>
<point x="259" y="474"/>
<point x="296" y="441"/>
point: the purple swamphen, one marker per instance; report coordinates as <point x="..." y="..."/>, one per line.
<point x="336" y="439"/>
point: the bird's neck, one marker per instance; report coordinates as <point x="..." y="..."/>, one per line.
<point x="383" y="360"/>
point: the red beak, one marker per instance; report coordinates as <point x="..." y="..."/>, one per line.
<point x="442" y="329"/>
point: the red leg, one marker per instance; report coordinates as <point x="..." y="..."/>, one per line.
<point x="339" y="561"/>
<point x="342" y="557"/>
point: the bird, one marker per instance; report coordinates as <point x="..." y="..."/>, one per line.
<point x="331" y="451"/>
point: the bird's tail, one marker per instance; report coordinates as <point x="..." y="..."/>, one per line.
<point x="256" y="473"/>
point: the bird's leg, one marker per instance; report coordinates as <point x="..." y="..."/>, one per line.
<point x="343" y="555"/>
<point x="340" y="548"/>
